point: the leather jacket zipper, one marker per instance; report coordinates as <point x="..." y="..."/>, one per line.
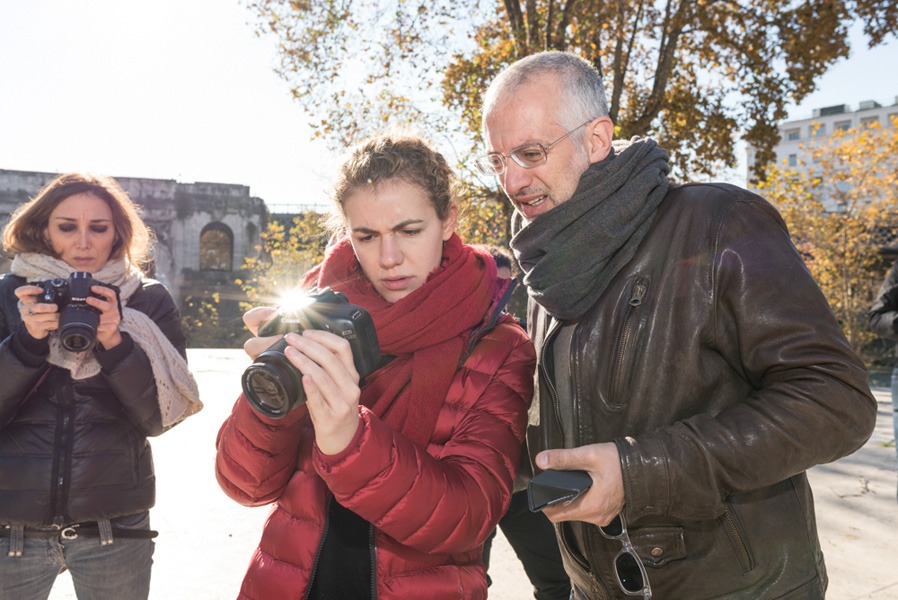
<point x="637" y="295"/>
<point x="554" y="328"/>
<point x="740" y="541"/>
<point x="551" y="334"/>
<point x="570" y="552"/>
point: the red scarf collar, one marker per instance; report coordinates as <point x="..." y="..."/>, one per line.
<point x="426" y="330"/>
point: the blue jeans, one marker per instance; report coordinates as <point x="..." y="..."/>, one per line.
<point x="118" y="571"/>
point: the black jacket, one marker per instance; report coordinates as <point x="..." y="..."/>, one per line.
<point x="883" y="316"/>
<point x="74" y="451"/>
<point x="716" y="366"/>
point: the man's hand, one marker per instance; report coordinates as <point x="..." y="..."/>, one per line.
<point x="604" y="500"/>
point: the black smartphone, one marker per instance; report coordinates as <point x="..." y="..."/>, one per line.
<point x="552" y="486"/>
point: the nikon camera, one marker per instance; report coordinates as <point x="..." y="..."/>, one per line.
<point x="272" y="384"/>
<point x="78" y="320"/>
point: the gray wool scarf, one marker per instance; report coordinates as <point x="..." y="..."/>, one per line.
<point x="570" y="254"/>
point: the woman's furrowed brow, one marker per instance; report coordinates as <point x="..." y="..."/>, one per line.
<point x="397" y="227"/>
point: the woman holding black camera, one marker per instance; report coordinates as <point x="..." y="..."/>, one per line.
<point x="388" y="488"/>
<point x="76" y="471"/>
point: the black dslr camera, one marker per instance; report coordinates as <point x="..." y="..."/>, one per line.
<point x="272" y="384"/>
<point x="78" y="320"/>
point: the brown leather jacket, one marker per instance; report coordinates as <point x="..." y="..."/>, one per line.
<point x="715" y="364"/>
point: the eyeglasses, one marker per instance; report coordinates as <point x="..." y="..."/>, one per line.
<point x="630" y="572"/>
<point x="527" y="156"/>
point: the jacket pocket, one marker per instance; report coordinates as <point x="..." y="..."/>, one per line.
<point x="630" y="313"/>
<point x="657" y="546"/>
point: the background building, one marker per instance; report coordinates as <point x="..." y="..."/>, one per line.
<point x="204" y="231"/>
<point x="799" y="136"/>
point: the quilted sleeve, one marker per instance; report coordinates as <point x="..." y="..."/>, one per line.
<point x="449" y="497"/>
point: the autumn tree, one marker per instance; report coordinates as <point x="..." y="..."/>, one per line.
<point x="290" y="247"/>
<point x="839" y="209"/>
<point x="691" y="73"/>
<point x="210" y="323"/>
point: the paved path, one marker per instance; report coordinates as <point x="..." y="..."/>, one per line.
<point x="857" y="515"/>
<point x="206" y="539"/>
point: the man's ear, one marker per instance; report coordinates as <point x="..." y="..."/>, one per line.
<point x="598" y="143"/>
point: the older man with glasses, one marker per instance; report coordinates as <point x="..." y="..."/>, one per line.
<point x="688" y="363"/>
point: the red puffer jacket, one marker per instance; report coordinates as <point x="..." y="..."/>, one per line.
<point x="431" y="509"/>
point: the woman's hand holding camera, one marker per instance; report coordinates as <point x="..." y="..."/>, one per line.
<point x="331" y="383"/>
<point x="253" y="319"/>
<point x="39" y="318"/>
<point x="108" y="334"/>
<point x="329" y="377"/>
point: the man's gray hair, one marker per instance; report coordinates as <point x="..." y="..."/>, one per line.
<point x="580" y="85"/>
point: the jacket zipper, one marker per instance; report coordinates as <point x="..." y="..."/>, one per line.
<point x="552" y="332"/>
<point x="372" y="545"/>
<point x="637" y="295"/>
<point x="554" y="328"/>
<point x="62" y="455"/>
<point x="731" y="522"/>
<point x="327" y="512"/>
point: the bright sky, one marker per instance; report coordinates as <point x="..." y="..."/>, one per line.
<point x="183" y="89"/>
<point x="168" y="89"/>
<point x="867" y="74"/>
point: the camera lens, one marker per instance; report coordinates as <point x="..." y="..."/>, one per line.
<point x="272" y="384"/>
<point x="76" y="341"/>
<point x="78" y="327"/>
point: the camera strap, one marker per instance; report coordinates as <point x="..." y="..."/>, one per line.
<point x="37" y="384"/>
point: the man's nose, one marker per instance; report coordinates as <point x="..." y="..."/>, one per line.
<point x="515" y="178"/>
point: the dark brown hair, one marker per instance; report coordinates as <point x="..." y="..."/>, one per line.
<point x="502" y="257"/>
<point x="25" y="231"/>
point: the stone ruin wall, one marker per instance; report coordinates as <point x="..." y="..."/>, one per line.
<point x="178" y="213"/>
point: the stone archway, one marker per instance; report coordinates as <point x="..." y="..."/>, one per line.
<point x="216" y="248"/>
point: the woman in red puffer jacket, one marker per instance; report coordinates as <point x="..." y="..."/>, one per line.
<point x="387" y="487"/>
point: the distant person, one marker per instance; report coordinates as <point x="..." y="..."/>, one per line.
<point x="687" y="360"/>
<point x="530" y="534"/>
<point x="387" y="488"/>
<point x="85" y="382"/>
<point x="507" y="268"/>
<point x="505" y="265"/>
<point x="883" y="320"/>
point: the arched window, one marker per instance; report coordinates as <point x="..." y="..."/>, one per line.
<point x="252" y="233"/>
<point x="216" y="248"/>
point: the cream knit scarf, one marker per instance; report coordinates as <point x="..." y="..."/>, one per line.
<point x="176" y="388"/>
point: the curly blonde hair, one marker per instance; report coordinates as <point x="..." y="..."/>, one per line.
<point x="395" y="155"/>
